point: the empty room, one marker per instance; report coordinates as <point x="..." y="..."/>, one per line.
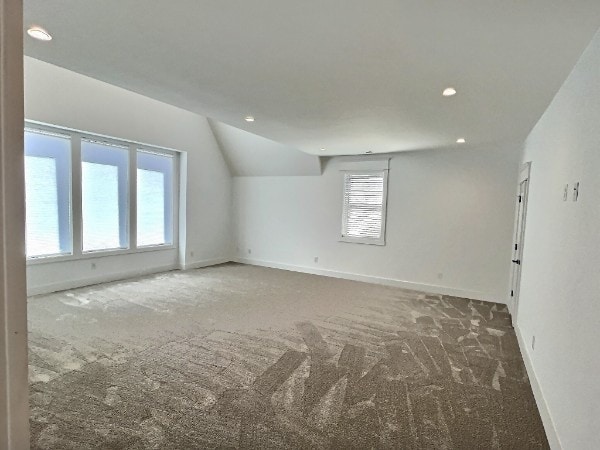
<point x="320" y="224"/>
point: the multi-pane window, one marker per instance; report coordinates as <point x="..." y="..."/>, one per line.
<point x="114" y="184"/>
<point x="104" y="194"/>
<point x="154" y="198"/>
<point x="48" y="193"/>
<point x="363" y="217"/>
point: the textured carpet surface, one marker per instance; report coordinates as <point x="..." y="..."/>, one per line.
<point x="236" y="356"/>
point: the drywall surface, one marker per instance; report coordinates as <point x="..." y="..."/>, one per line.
<point x="559" y="299"/>
<point x="57" y="276"/>
<point x="60" y="97"/>
<point x="248" y="154"/>
<point x="449" y="223"/>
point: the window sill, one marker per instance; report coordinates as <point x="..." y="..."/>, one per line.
<point x="98" y="254"/>
<point x="348" y="240"/>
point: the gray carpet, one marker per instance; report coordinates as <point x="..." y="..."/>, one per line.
<point x="236" y="356"/>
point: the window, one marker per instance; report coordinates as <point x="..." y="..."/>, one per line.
<point x="363" y="218"/>
<point x="88" y="195"/>
<point x="104" y="194"/>
<point x="47" y="193"/>
<point x="154" y="198"/>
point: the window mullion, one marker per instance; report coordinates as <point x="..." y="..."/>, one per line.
<point x="76" y="194"/>
<point x="133" y="197"/>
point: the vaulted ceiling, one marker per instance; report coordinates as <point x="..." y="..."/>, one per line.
<point x="349" y="76"/>
<point x="248" y="154"/>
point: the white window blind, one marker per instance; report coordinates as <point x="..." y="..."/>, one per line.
<point x="364" y="207"/>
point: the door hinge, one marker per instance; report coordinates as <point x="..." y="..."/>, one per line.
<point x="519" y="199"/>
<point x="516" y="246"/>
<point x="512" y="293"/>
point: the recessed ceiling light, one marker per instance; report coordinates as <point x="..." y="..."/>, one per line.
<point x="249" y="118"/>
<point x="39" y="33"/>
<point x="461" y="141"/>
<point x="449" y="92"/>
<point x="323" y="149"/>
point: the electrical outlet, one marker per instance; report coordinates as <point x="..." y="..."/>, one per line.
<point x="566" y="193"/>
<point x="533" y="343"/>
<point x="316" y="259"/>
<point x="440" y="276"/>
<point x="93" y="266"/>
<point x="576" y="191"/>
<point x="192" y="254"/>
<point x="249" y="251"/>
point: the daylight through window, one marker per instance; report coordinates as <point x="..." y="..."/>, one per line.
<point x="118" y="184"/>
<point x="154" y="198"/>
<point x="47" y="193"/>
<point x="104" y="192"/>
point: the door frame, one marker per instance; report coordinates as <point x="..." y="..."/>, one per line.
<point x="14" y="393"/>
<point x="517" y="253"/>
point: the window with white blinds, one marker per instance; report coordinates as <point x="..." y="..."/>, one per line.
<point x="363" y="219"/>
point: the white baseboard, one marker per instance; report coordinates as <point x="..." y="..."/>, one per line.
<point x="551" y="433"/>
<point x="423" y="287"/>
<point x="205" y="263"/>
<point x="63" y="285"/>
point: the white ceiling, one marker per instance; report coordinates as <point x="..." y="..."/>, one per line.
<point x="347" y="75"/>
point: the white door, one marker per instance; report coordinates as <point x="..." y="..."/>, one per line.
<point x="517" y="252"/>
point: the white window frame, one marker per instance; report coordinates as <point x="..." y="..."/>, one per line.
<point x="370" y="167"/>
<point x="76" y="207"/>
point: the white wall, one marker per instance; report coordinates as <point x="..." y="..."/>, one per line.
<point x="248" y="154"/>
<point x="450" y="212"/>
<point x="559" y="302"/>
<point x="60" y="97"/>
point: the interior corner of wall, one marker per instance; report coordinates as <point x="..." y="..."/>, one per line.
<point x="219" y="145"/>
